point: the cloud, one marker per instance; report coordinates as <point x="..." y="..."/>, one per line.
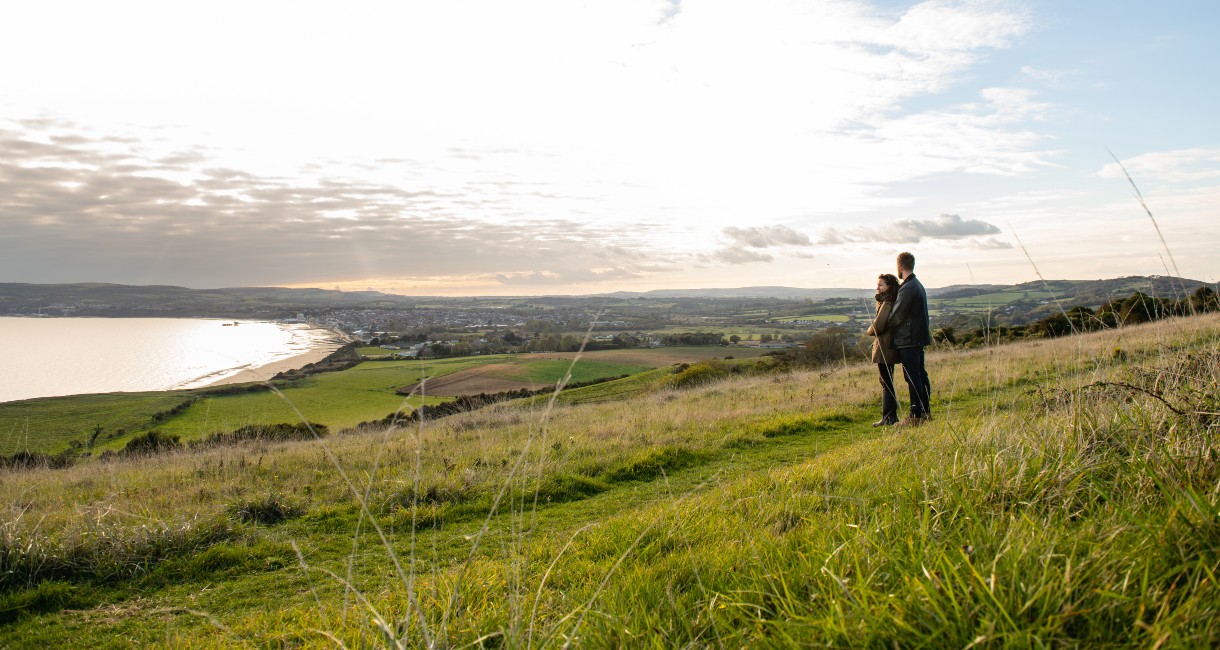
<point x="745" y="244"/>
<point x="913" y="231"/>
<point x="1176" y="166"/>
<point x="542" y="142"/>
<point x="767" y="237"/>
<point x="736" y="256"/>
<point x="563" y="93"/>
<point x="1048" y="78"/>
<point x="79" y="208"/>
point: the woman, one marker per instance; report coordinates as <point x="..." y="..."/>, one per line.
<point x="884" y="353"/>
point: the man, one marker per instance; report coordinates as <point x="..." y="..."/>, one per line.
<point x="912" y="329"/>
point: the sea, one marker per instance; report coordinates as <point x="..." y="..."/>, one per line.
<point x="45" y="357"/>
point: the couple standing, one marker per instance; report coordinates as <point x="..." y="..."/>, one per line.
<point x="903" y="328"/>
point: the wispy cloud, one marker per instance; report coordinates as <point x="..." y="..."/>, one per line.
<point x="1177" y="166"/>
<point x="736" y="256"/>
<point x="534" y="143"/>
<point x="746" y="245"/>
<point x="974" y="232"/>
<point x="767" y="236"/>
<point x="104" y="211"/>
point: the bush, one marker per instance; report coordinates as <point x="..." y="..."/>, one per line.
<point x="266" y="432"/>
<point x="153" y="442"/>
<point x="36" y="459"/>
<point x="695" y="374"/>
<point x="832" y="345"/>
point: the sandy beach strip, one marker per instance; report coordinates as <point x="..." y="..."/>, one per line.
<point x="262" y="373"/>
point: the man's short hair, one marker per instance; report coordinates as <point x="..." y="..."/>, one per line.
<point x="906" y="261"/>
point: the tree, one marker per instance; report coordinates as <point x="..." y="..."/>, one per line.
<point x="828" y="346"/>
<point x="734" y="339"/>
<point x="441" y="350"/>
<point x="97" y="431"/>
<point x="1204" y="299"/>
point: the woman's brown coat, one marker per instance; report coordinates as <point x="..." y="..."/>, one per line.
<point x="883" y="347"/>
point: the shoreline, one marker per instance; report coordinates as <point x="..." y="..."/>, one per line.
<point x="322" y="349"/>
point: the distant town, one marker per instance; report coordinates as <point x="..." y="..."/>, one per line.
<point x="439" y="326"/>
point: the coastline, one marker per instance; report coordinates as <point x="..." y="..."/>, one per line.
<point x="322" y="349"/>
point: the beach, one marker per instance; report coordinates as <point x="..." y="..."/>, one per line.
<point x="319" y="351"/>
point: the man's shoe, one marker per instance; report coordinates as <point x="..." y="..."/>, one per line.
<point x="913" y="420"/>
<point x="884" y="422"/>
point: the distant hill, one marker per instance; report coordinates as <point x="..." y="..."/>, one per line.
<point x="1084" y="292"/>
<point x="1022" y="301"/>
<point x="792" y="293"/>
<point x="969" y="306"/>
<point x="101" y="299"/>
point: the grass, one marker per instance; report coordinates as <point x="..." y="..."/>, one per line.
<point x="999" y="298"/>
<point x="1041" y="506"/>
<point x="374" y="351"/>
<point x="50" y="424"/>
<point x="551" y="371"/>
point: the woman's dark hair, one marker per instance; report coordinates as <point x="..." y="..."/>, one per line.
<point x="891" y="286"/>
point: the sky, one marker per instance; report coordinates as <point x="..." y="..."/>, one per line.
<point x="563" y="147"/>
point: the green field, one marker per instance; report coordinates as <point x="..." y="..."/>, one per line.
<point x="374" y="351"/>
<point x="746" y="332"/>
<point x="996" y="299"/>
<point x="828" y="318"/>
<point x="338" y="400"/>
<point x="51" y="424"/>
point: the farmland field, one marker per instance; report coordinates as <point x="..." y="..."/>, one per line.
<point x="828" y="318"/>
<point x="339" y="400"/>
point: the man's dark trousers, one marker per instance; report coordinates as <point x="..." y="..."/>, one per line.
<point x="917" y="380"/>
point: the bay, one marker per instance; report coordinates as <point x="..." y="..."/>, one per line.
<point x="45" y="357"/>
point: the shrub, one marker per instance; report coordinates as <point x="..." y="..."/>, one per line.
<point x="153" y="442"/>
<point x="36" y="459"/>
<point x="266" y="432"/>
<point x="696" y="374"/>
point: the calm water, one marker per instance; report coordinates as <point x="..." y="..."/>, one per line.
<point x="43" y="357"/>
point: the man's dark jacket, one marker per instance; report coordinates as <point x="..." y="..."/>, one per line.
<point x="909" y="320"/>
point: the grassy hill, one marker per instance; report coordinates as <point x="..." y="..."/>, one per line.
<point x="1067" y="492"/>
<point x="1031" y="301"/>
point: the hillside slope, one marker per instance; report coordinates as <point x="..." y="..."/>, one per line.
<point x="1065" y="493"/>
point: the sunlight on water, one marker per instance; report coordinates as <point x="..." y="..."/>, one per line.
<point x="69" y="356"/>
